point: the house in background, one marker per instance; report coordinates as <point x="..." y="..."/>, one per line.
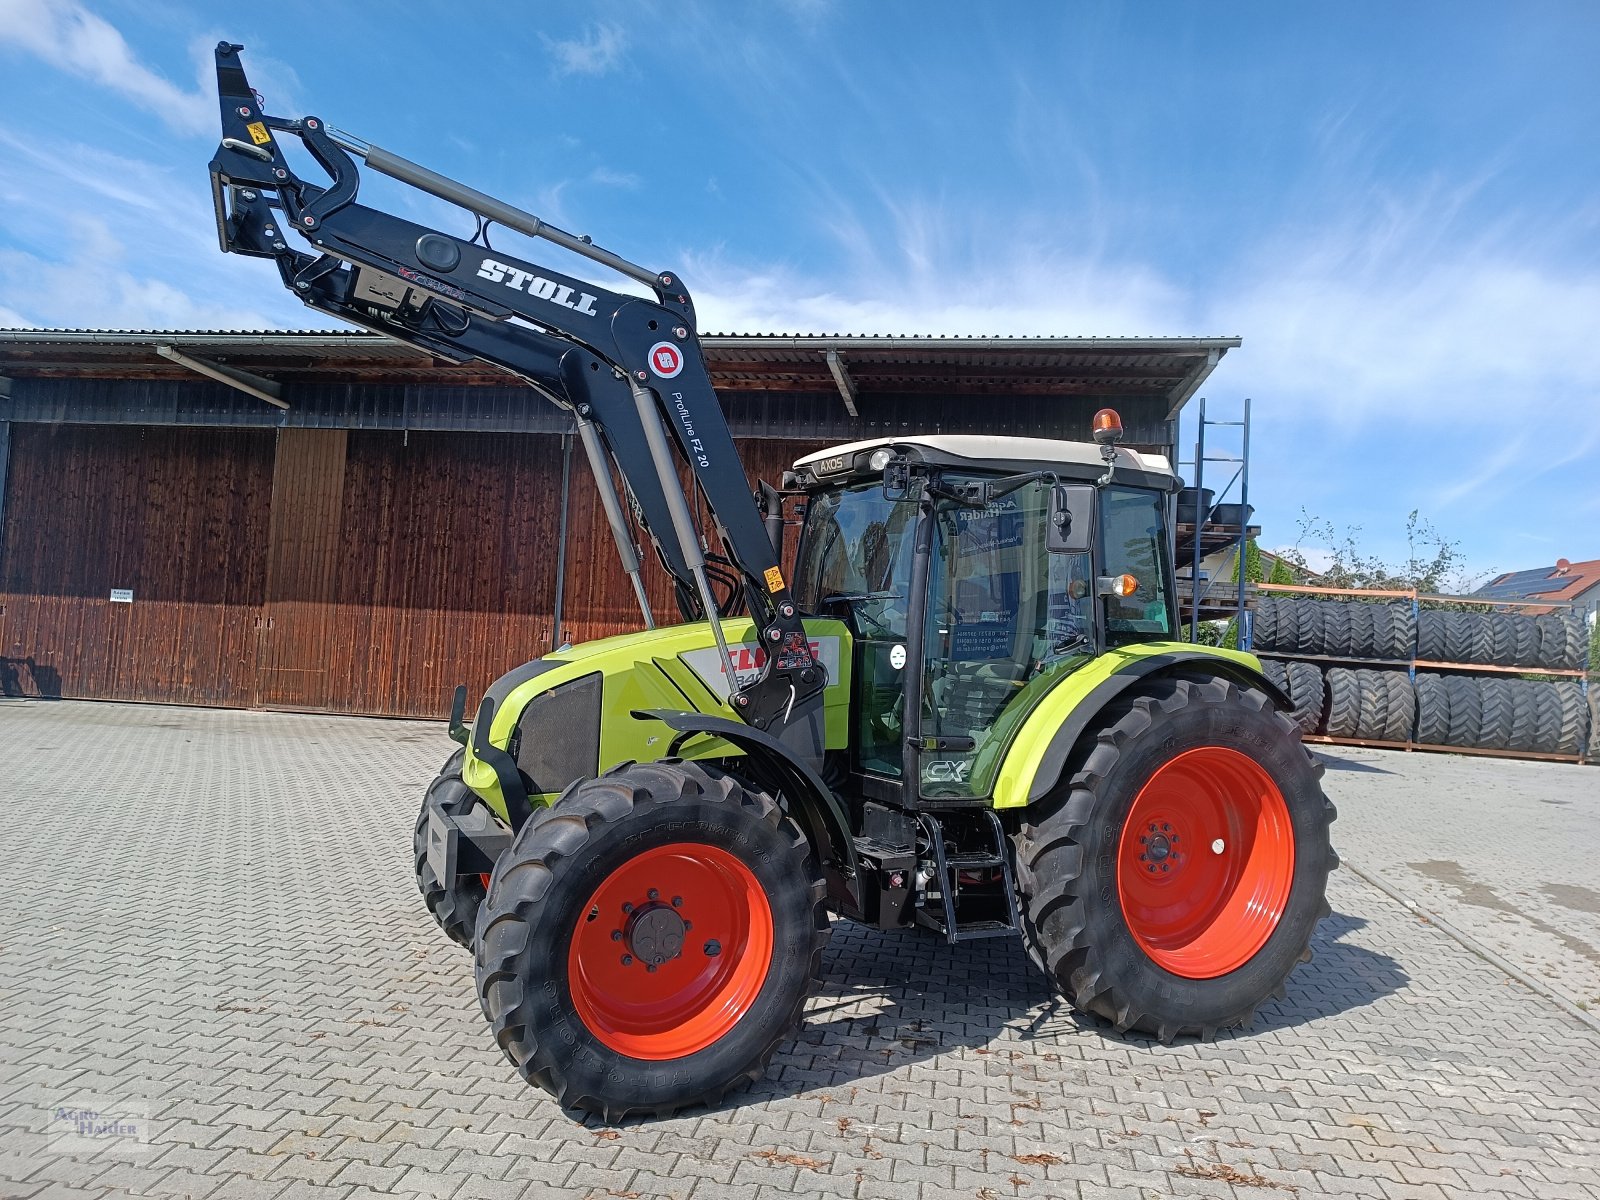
<point x="1575" y="582"/>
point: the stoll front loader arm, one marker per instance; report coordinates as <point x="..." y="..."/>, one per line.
<point x="630" y="368"/>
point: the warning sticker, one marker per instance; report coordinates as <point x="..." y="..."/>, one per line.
<point x="258" y="133"/>
<point x="666" y="360"/>
<point x="774" y="579"/>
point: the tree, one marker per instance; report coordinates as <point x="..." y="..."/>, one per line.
<point x="1434" y="563"/>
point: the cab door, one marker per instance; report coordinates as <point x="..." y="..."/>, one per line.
<point x="1004" y="620"/>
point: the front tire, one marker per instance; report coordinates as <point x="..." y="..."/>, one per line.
<point x="1189" y="766"/>
<point x="650" y="940"/>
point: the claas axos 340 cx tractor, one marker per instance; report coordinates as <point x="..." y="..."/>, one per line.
<point x="962" y="708"/>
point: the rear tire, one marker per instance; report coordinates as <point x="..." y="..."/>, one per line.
<point x="1524" y="640"/>
<point x="1499" y="714"/>
<point x="454" y="905"/>
<point x="1264" y="623"/>
<point x="1307" y="693"/>
<point x="1372" y="716"/>
<point x="1547" y="719"/>
<point x="1361" y="629"/>
<point x="1308" y="627"/>
<point x="1502" y="640"/>
<point x="1401" y="712"/>
<point x="1562" y="641"/>
<point x="1466" y="710"/>
<point x="1524" y="715"/>
<point x="1225" y="766"/>
<point x="1336" y="630"/>
<point x="1432" y="638"/>
<point x="1460" y="630"/>
<point x="611" y="997"/>
<point x="1344" y="702"/>
<point x="1574" y="718"/>
<point x="1433" y="710"/>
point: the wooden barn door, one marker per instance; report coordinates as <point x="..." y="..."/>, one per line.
<point x="297" y="623"/>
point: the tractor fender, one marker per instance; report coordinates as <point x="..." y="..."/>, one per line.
<point x="774" y="767"/>
<point x="1083" y="714"/>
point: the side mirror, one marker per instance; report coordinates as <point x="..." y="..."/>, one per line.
<point x="1071" y="521"/>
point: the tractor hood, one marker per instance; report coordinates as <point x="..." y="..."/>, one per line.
<point x="569" y="715"/>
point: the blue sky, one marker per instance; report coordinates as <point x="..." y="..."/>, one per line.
<point x="1396" y="206"/>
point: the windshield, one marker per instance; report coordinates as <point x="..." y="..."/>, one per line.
<point x="857" y="547"/>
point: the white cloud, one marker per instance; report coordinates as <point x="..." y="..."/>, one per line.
<point x="608" y="177"/>
<point x="86" y="288"/>
<point x="594" y="53"/>
<point x="68" y="36"/>
<point x="117" y="242"/>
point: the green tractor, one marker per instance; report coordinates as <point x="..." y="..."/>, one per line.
<point x="962" y="709"/>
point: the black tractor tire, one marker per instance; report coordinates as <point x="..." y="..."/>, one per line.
<point x="1336" y="630"/>
<point x="1524" y="640"/>
<point x="1373" y="717"/>
<point x="1432" y="638"/>
<point x="1482" y="647"/>
<point x="546" y="891"/>
<point x="1287" y="639"/>
<point x="1307" y="627"/>
<point x="1402" y="632"/>
<point x="1466" y="710"/>
<point x="1547" y="716"/>
<point x="454" y="905"/>
<point x="1524" y="716"/>
<point x="1075" y="926"/>
<point x="1460" y="634"/>
<point x="1433" y="710"/>
<point x="1344" y="702"/>
<point x="1562" y="641"/>
<point x="1499" y="714"/>
<point x="1360" y="617"/>
<point x="1276" y="672"/>
<point x="1308" y="693"/>
<point x="1574" y="717"/>
<point x="1264" y="622"/>
<point x="1401" y="714"/>
<point x="1502" y="640"/>
<point x="1594" y="723"/>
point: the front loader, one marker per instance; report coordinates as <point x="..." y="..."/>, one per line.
<point x="962" y="709"/>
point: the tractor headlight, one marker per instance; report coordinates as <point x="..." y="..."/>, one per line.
<point x="881" y="458"/>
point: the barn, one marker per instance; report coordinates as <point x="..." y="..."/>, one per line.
<point x="339" y="522"/>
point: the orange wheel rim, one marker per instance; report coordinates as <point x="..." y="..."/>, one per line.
<point x="1205" y="863"/>
<point x="671" y="951"/>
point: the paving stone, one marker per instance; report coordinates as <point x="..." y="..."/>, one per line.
<point x="297" y="1038"/>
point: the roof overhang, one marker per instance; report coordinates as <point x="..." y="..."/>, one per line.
<point x="1168" y="370"/>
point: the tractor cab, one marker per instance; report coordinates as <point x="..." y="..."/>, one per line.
<point x="974" y="573"/>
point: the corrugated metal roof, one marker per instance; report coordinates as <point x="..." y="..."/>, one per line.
<point x="1169" y="368"/>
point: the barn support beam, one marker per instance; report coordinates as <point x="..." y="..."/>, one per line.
<point x="847" y="386"/>
<point x="1191" y="382"/>
<point x="5" y="461"/>
<point x="250" y="384"/>
<point x="561" y="542"/>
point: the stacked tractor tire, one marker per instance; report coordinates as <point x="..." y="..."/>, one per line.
<point x="1362" y="687"/>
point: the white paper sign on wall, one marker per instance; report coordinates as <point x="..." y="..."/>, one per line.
<point x="122" y="595"/>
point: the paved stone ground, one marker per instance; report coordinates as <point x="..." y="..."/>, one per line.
<point x="210" y="937"/>
<point x="1507" y="851"/>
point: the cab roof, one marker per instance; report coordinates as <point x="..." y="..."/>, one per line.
<point x="999" y="453"/>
